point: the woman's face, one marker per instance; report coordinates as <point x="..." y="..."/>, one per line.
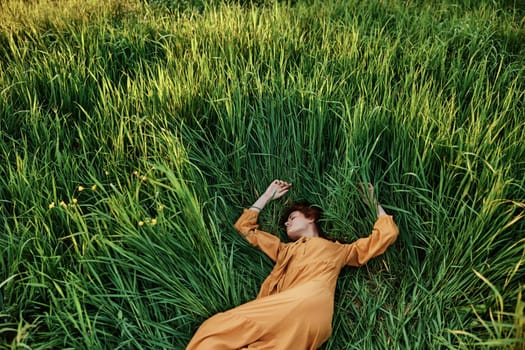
<point x="297" y="224"/>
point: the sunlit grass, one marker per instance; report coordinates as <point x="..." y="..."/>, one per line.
<point x="133" y="134"/>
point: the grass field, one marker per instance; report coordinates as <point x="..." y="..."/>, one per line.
<point x="133" y="134"/>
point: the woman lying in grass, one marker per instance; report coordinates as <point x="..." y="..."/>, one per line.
<point x="294" y="307"/>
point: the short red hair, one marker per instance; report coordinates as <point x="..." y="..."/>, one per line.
<point x="309" y="211"/>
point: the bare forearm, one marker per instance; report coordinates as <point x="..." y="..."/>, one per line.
<point x="261" y="202"/>
<point x="380" y="210"/>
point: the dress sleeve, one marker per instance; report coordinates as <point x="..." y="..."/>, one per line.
<point x="247" y="226"/>
<point x="383" y="234"/>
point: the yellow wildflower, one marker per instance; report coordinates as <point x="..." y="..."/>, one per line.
<point x="81" y="188"/>
<point x="74" y="201"/>
<point x="141" y="223"/>
<point x="63" y="204"/>
<point x="51" y="205"/>
<point x="94" y="187"/>
<point x="161" y="207"/>
<point x="143" y="178"/>
<point x="153" y="221"/>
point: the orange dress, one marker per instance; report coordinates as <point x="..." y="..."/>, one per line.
<point x="295" y="305"/>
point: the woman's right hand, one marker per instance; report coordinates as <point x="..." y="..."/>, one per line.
<point x="277" y="189"/>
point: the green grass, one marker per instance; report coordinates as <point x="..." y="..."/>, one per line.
<point x="173" y="118"/>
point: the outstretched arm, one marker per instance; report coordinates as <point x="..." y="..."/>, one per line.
<point x="275" y="190"/>
<point x="383" y="234"/>
<point x="247" y="225"/>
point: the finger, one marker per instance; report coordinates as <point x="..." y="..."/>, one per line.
<point x="283" y="183"/>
